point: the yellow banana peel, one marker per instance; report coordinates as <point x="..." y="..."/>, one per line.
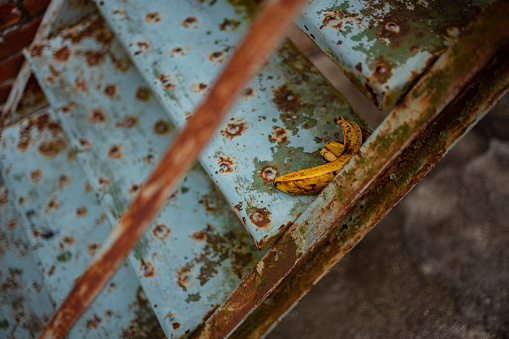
<point x="313" y="180"/>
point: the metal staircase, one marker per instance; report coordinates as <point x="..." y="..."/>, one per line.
<point x="228" y="254"/>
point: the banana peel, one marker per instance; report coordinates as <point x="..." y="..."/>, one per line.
<point x="313" y="180"/>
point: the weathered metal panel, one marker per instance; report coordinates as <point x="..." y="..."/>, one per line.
<point x="65" y="226"/>
<point x="279" y="124"/>
<point x="385" y="46"/>
<point x="24" y="302"/>
<point x="436" y="89"/>
<point x="196" y="251"/>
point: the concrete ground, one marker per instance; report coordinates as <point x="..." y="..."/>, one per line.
<point x="438" y="264"/>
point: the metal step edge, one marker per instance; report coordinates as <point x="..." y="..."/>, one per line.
<point x="279" y="124"/>
<point x="65" y="226"/>
<point x="196" y="251"/>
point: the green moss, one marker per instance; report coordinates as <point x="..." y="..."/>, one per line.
<point x="64" y="256"/>
<point x="4" y="324"/>
<point x="140" y="250"/>
<point x="247" y="8"/>
<point x="193" y="297"/>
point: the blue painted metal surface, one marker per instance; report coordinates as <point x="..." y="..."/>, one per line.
<point x="24" y="302"/>
<point x="385" y="46"/>
<point x="196" y="251"/>
<point x="280" y="123"/>
<point x="65" y="225"/>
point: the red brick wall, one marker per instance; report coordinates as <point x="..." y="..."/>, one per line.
<point x="19" y="20"/>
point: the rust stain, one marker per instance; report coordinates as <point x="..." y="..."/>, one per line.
<point x="216" y="57"/>
<point x="190" y="22"/>
<point x="233" y="129"/>
<point x="41" y="123"/>
<point x="225" y="165"/>
<point x="183" y="276"/>
<point x="199" y="236"/>
<point x="92" y="249"/>
<point x="161" y="127"/>
<point x="260" y="217"/>
<point x="81" y="211"/>
<point x="149" y="159"/>
<point x="229" y="25"/>
<point x="269" y="173"/>
<point x="198" y="88"/>
<point x="286" y="100"/>
<point x="147" y="268"/>
<point x="127" y="122"/>
<point x="97" y="116"/>
<point x="178" y="50"/>
<point x="143" y="94"/>
<point x="110" y="90"/>
<point x="359" y="67"/>
<point x="63" y="180"/>
<point x="84" y="143"/>
<point x="332" y="19"/>
<point x="152" y="17"/>
<point x="166" y="82"/>
<point x="103" y="182"/>
<point x="279" y="135"/>
<point x="209" y="205"/>
<point x="36" y="50"/>
<point x="175" y="326"/>
<point x="161" y="231"/>
<point x="51" y="270"/>
<point x="62" y="54"/>
<point x="66" y="242"/>
<point x="52" y="206"/>
<point x="94" y="58"/>
<point x="143" y="46"/>
<point x="11" y="224"/>
<point x="36" y="176"/>
<point x="21" y="201"/>
<point x="238" y="207"/>
<point x="94" y="322"/>
<point x="134" y="189"/>
<point x="52" y="148"/>
<point x="115" y="152"/>
<point x="247" y="93"/>
<point x="79" y="86"/>
<point x="94" y="26"/>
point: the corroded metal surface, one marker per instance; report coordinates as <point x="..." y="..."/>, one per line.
<point x="453" y="71"/>
<point x="385" y="46"/>
<point x="25" y="305"/>
<point x="281" y="121"/>
<point x="195" y="251"/>
<point x="65" y="226"/>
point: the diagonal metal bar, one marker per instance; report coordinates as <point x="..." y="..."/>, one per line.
<point x="262" y="37"/>
<point x="444" y="81"/>
<point x="488" y="87"/>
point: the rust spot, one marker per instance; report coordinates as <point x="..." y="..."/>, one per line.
<point x="81" y="211"/>
<point x="238" y="207"/>
<point x="21" y="201"/>
<point x="161" y="231"/>
<point x="51" y="148"/>
<point x="97" y="116"/>
<point x="269" y="173"/>
<point x="36" y="175"/>
<point x="143" y="46"/>
<point x="209" y="204"/>
<point x="36" y="50"/>
<point x="127" y="122"/>
<point x="333" y="20"/>
<point x="152" y="17"/>
<point x="286" y="100"/>
<point x="260" y="217"/>
<point x="134" y="189"/>
<point x="92" y="248"/>
<point x="84" y="143"/>
<point x="62" y="54"/>
<point x="359" y="67"/>
<point x="166" y="82"/>
<point x="103" y="182"/>
<point x="216" y="57"/>
<point x="247" y="93"/>
<point x="149" y="159"/>
<point x="11" y="224"/>
<point x="63" y="180"/>
<point x="147" y="268"/>
<point x="229" y="25"/>
<point x="79" y="86"/>
<point x="51" y="270"/>
<point x="233" y="129"/>
<point x="279" y="135"/>
<point x="199" y="236"/>
<point x="175" y="326"/>
<point x="66" y="242"/>
<point x="161" y="127"/>
<point x="225" y="165"/>
<point x="76" y="36"/>
<point x="183" y="276"/>
<point x="110" y="90"/>
<point x="190" y="22"/>
<point x="42" y="122"/>
<point x="392" y="27"/>
<point x="178" y="50"/>
<point x="143" y="94"/>
<point x="88" y="187"/>
<point x="414" y="48"/>
<point x="209" y="313"/>
<point x="198" y="88"/>
<point x="94" y="322"/>
<point x="52" y="206"/>
<point x="94" y="58"/>
<point x="115" y="152"/>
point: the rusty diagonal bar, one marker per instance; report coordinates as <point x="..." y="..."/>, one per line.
<point x="424" y="102"/>
<point x="256" y="46"/>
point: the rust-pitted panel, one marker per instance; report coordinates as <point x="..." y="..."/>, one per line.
<point x="196" y="251"/>
<point x="282" y="119"/>
<point x="385" y="46"/>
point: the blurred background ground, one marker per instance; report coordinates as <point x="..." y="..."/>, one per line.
<point x="438" y="264"/>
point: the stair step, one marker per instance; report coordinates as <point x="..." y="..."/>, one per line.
<point x="195" y="252"/>
<point x="284" y="117"/>
<point x="65" y="226"/>
<point x="25" y="305"/>
<point x="385" y="46"/>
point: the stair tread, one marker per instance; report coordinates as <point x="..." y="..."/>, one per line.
<point x="385" y="46"/>
<point x="65" y="225"/>
<point x="278" y="125"/>
<point x="195" y="252"/>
